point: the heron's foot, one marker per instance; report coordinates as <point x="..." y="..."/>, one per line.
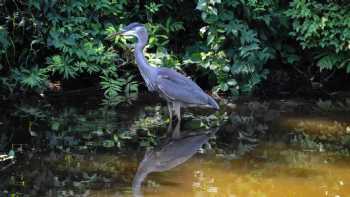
<point x="176" y="131"/>
<point x="208" y="146"/>
<point x="170" y="127"/>
<point x="173" y="121"/>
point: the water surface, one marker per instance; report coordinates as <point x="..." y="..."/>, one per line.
<point x="257" y="151"/>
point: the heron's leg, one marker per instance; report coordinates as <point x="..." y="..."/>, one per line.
<point x="170" y="127"/>
<point x="170" y="108"/>
<point x="177" y="108"/>
<point x="176" y="132"/>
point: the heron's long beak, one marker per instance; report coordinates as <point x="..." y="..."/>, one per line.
<point x="119" y="33"/>
<point x="123" y="32"/>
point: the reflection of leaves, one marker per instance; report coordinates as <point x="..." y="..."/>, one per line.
<point x="154" y="119"/>
<point x="245" y="147"/>
<point x="93" y="128"/>
<point x="108" y="143"/>
<point x="346" y="140"/>
<point x="116" y="100"/>
<point x="30" y="112"/>
<point x="329" y="106"/>
<point x="307" y="142"/>
<point x="55" y="126"/>
<point x="211" y="121"/>
<point x="325" y="105"/>
<point x="271" y="115"/>
<point x="12" y="153"/>
<point x="251" y="124"/>
<point x="4" y="140"/>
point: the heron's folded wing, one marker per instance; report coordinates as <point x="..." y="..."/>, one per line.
<point x="179" y="88"/>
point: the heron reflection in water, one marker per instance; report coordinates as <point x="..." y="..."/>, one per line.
<point x="173" y="152"/>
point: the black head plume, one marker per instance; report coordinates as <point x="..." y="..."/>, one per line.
<point x="132" y="26"/>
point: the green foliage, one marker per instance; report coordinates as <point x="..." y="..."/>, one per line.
<point x="4" y="42"/>
<point x="233" y="44"/>
<point x="323" y="27"/>
<point x="69" y="42"/>
<point x="325" y="106"/>
<point x="69" y="39"/>
<point x="21" y="41"/>
<point x="236" y="46"/>
<point x="114" y="87"/>
<point x="80" y="39"/>
<point x="32" y="78"/>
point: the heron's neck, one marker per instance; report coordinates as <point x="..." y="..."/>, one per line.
<point x="147" y="71"/>
<point x="137" y="183"/>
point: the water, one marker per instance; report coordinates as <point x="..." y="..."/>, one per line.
<point x="270" y="170"/>
<point x="261" y="150"/>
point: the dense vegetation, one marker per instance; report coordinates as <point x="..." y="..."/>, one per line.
<point x="228" y="46"/>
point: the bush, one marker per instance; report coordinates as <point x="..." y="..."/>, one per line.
<point x="231" y="43"/>
<point x="237" y="42"/>
<point x="325" y="29"/>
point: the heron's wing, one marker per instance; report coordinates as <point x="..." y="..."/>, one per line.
<point x="180" y="150"/>
<point x="180" y="88"/>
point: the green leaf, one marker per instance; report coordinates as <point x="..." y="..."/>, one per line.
<point x="116" y="138"/>
<point x="327" y="62"/>
<point x="12" y="153"/>
<point x="201" y="5"/>
<point x="232" y="82"/>
<point x="4" y="42"/>
<point x="248" y="37"/>
<point x="55" y="126"/>
<point x="348" y="67"/>
<point x="108" y="143"/>
<point x="34" y="78"/>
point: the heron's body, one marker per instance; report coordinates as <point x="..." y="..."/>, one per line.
<point x="175" y="87"/>
<point x="178" y="90"/>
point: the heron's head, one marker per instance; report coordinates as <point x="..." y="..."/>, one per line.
<point x="135" y="29"/>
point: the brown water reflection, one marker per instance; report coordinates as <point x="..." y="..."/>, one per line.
<point x="249" y="158"/>
<point x="271" y="170"/>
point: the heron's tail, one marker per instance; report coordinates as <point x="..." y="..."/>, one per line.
<point x="212" y="103"/>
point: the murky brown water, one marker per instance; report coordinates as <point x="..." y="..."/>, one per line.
<point x="256" y="160"/>
<point x="272" y="170"/>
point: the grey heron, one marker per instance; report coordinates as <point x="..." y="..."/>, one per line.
<point x="178" y="90"/>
